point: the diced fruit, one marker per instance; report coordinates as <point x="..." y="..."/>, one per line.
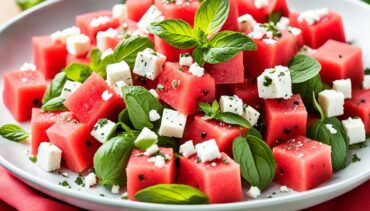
<point x="359" y="105"/>
<point x="331" y="102"/>
<point x="176" y="84"/>
<point x="200" y="130"/>
<point x="231" y="23"/>
<point x="74" y="59"/>
<point x="294" y="114"/>
<point x="261" y="14"/>
<point x="355" y="130"/>
<point x="94" y="100"/>
<point x="74" y="140"/>
<point x="170" y="52"/>
<point x="248" y="92"/>
<point x="142" y="173"/>
<point x="230" y="72"/>
<point x="49" y="57"/>
<point x="275" y="83"/>
<point x="49" y="157"/>
<point x="220" y="179"/>
<point x="142" y="81"/>
<point x="23" y="90"/>
<point x="340" y="61"/>
<point x="136" y="9"/>
<point x="184" y="10"/>
<point x="302" y="164"/>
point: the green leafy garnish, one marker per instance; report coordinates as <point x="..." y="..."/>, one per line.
<point x="26" y="4"/>
<point x="274" y="16"/>
<point x="13" y="132"/>
<point x="367" y="71"/>
<point x="211" y="15"/>
<point x="54" y="104"/>
<point x="145" y="143"/>
<point x="79" y="181"/>
<point x="78" y="72"/>
<point x="55" y="88"/>
<point x="99" y="65"/>
<point x="33" y="159"/>
<point x="303" y="68"/>
<point x="355" y="158"/>
<point x="305" y="90"/>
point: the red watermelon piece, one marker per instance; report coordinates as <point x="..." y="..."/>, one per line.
<point x="145" y="82"/>
<point x="199" y="130"/>
<point x="74" y="59"/>
<point x="23" y="90"/>
<point x="261" y="15"/>
<point x="302" y="164"/>
<point x="248" y="92"/>
<point x="136" y="9"/>
<point x="172" y="10"/>
<point x="49" y="57"/>
<point x="176" y="84"/>
<point x="340" y="61"/>
<point x="74" y="139"/>
<point x="359" y="105"/>
<point x="285" y="119"/>
<point x="141" y="173"/>
<point x="172" y="53"/>
<point x="231" y="23"/>
<point x="230" y="72"/>
<point x="220" y="181"/>
<point x="128" y="25"/>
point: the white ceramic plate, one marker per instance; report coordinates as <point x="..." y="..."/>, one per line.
<point x="15" y="49"/>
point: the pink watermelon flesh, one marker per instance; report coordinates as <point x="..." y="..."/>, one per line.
<point x="359" y="105"/>
<point x="136" y="9"/>
<point x="74" y="59"/>
<point x="261" y="15"/>
<point x="230" y="72"/>
<point x="221" y="183"/>
<point x="141" y="173"/>
<point x="172" y="10"/>
<point x="248" y="92"/>
<point x="172" y="54"/>
<point x="231" y="23"/>
<point x="302" y="164"/>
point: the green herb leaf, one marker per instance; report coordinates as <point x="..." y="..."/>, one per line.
<point x="233" y="119"/>
<point x="306" y="88"/>
<point x="172" y="194"/>
<point x="198" y="55"/>
<point x="318" y="107"/>
<point x="55" y="104"/>
<point x="13" y="132"/>
<point x="145" y="143"/>
<point x="253" y="132"/>
<point x="211" y="15"/>
<point x="78" y="72"/>
<point x="367" y="71"/>
<point x="99" y="65"/>
<point x="355" y="158"/>
<point x="210" y="110"/>
<point x="274" y="17"/>
<point x="303" y="68"/>
<point x="164" y="141"/>
<point x="55" y="88"/>
<point x="79" y="181"/>
<point x="26" y="4"/>
<point x="176" y="32"/>
<point x="33" y="158"/>
<point x="257" y="163"/>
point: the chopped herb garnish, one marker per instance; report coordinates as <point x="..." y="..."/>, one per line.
<point x="79" y="181"/>
<point x="267" y="81"/>
<point x="64" y="184"/>
<point x="160" y="87"/>
<point x="33" y="159"/>
<point x="355" y="158"/>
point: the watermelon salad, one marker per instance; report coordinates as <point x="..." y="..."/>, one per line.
<point x="161" y="100"/>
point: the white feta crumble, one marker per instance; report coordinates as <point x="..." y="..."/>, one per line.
<point x="153" y="14"/>
<point x="275" y="83"/>
<point x="366" y="82"/>
<point x="284" y="189"/>
<point x="24" y="80"/>
<point x="196" y="70"/>
<point x="331" y="129"/>
<point x="119" y="11"/>
<point x="213" y="164"/>
<point x="344" y="86"/>
<point x="118" y="72"/>
<point x="28" y="67"/>
<point x="78" y="45"/>
<point x="251" y="114"/>
<point x="355" y="130"/>
<point x="154" y="93"/>
<point x="246" y="23"/>
<point x="306" y="50"/>
<point x="283" y="23"/>
<point x="90" y="180"/>
<point x="68" y="88"/>
<point x="49" y="156"/>
<point x="270" y="41"/>
<point x="102" y="130"/>
<point x="187" y="149"/>
<point x="313" y="16"/>
<point x="104" y="39"/>
<point x="185" y="59"/>
<point x="65" y="174"/>
<point x="154" y="115"/>
<point x="259" y="4"/>
<point x="158" y="161"/>
<point x="172" y="124"/>
<point x="106" y="95"/>
<point x="331" y="102"/>
<point x="146" y="134"/>
<point x="259" y="32"/>
<point x="62" y="36"/>
<point x="106" y="53"/>
<point x="231" y="104"/>
<point x="151" y="150"/>
<point x="118" y="87"/>
<point x="149" y="64"/>
<point x="115" y="189"/>
<point x="254" y="192"/>
<point x="101" y="20"/>
<point x="208" y="151"/>
<point x="295" y="31"/>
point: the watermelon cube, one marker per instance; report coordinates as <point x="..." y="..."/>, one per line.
<point x="176" y="84"/>
<point x="23" y="90"/>
<point x="142" y="173"/>
<point x="285" y="119"/>
<point x="75" y="59"/>
<point x="329" y="27"/>
<point x="40" y="122"/>
<point x="74" y="139"/>
<point x="92" y="23"/>
<point x="359" y="105"/>
<point x="219" y="179"/>
<point x="199" y="130"/>
<point x="136" y="9"/>
<point x="172" y="53"/>
<point x="49" y="57"/>
<point x="231" y="23"/>
<point x="260" y="12"/>
<point x="94" y="100"/>
<point x="142" y="81"/>
<point x="184" y="10"/>
<point x="340" y="61"/>
<point x="302" y="164"/>
<point x="230" y="72"/>
<point x="248" y="92"/>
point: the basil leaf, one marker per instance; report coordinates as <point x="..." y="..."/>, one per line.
<point x="274" y="17"/>
<point x="13" y="132"/>
<point x="55" y="104"/>
<point x="78" y="72"/>
<point x="198" y="55"/>
<point x="111" y="159"/>
<point x="210" y="110"/>
<point x="172" y="194"/>
<point x="128" y="49"/>
<point x="253" y="132"/>
<point x="303" y="68"/>
<point x="169" y="142"/>
<point x="233" y="119"/>
<point x="145" y="143"/>
<point x="306" y="88"/>
<point x="211" y="15"/>
<point x="55" y="88"/>
<point x="124" y="118"/>
<point x="257" y="163"/>
<point x="367" y="71"/>
<point x="227" y="44"/>
<point x="318" y="107"/>
<point x="99" y="65"/>
<point x="175" y="32"/>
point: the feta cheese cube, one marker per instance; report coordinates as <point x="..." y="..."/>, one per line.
<point x="258" y="32"/>
<point x="68" y="88"/>
<point x="355" y="130"/>
<point x="246" y="23"/>
<point x="172" y="124"/>
<point x="106" y="53"/>
<point x="101" y="20"/>
<point x="106" y="95"/>
<point x="366" y="82"/>
<point x="28" y="67"/>
<point x="49" y="156"/>
<point x="146" y="134"/>
<point x="158" y="161"/>
<point x="119" y="12"/>
<point x="119" y="72"/>
<point x="208" y="151"/>
<point x="119" y="86"/>
<point x="151" y="150"/>
<point x="104" y="39"/>
<point x="187" y="149"/>
<point x="153" y="14"/>
<point x="231" y="104"/>
<point x="196" y="70"/>
<point x="295" y="31"/>
<point x="251" y="115"/>
<point x="62" y="36"/>
<point x="154" y="93"/>
<point x="149" y="64"/>
<point x="254" y="192"/>
<point x="331" y="102"/>
<point x="154" y="115"/>
<point x="115" y="189"/>
<point x="284" y="189"/>
<point x="313" y="16"/>
<point x="186" y="59"/>
<point x="90" y="180"/>
<point x="78" y="45"/>
<point x="103" y="129"/>
<point x="275" y="83"/>
<point x="344" y="86"/>
<point x="283" y="23"/>
<point x="261" y="3"/>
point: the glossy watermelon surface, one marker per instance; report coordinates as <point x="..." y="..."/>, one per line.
<point x="248" y="92"/>
<point x="173" y="10"/>
<point x="261" y="15"/>
<point x="359" y="106"/>
<point x="230" y="72"/>
<point x="136" y="9"/>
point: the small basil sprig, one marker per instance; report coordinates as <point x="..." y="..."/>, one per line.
<point x="54" y="104"/>
<point x="367" y="71"/>
<point x="145" y="143"/>
<point x="55" y="88"/>
<point x="274" y="17"/>
<point x="208" y="20"/>
<point x="13" y="132"/>
<point x="172" y="194"/>
<point x="213" y="112"/>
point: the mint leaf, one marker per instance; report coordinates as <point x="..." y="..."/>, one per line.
<point x="306" y="88"/>
<point x="55" y="104"/>
<point x="176" y="32"/>
<point x="13" y="132"/>
<point x="211" y="15"/>
<point x="99" y="65"/>
<point x="210" y="110"/>
<point x="55" y="88"/>
<point x="303" y="68"/>
<point x="233" y="119"/>
<point x="78" y="72"/>
<point x="172" y="194"/>
<point x="274" y="16"/>
<point x="145" y="143"/>
<point x="198" y="55"/>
